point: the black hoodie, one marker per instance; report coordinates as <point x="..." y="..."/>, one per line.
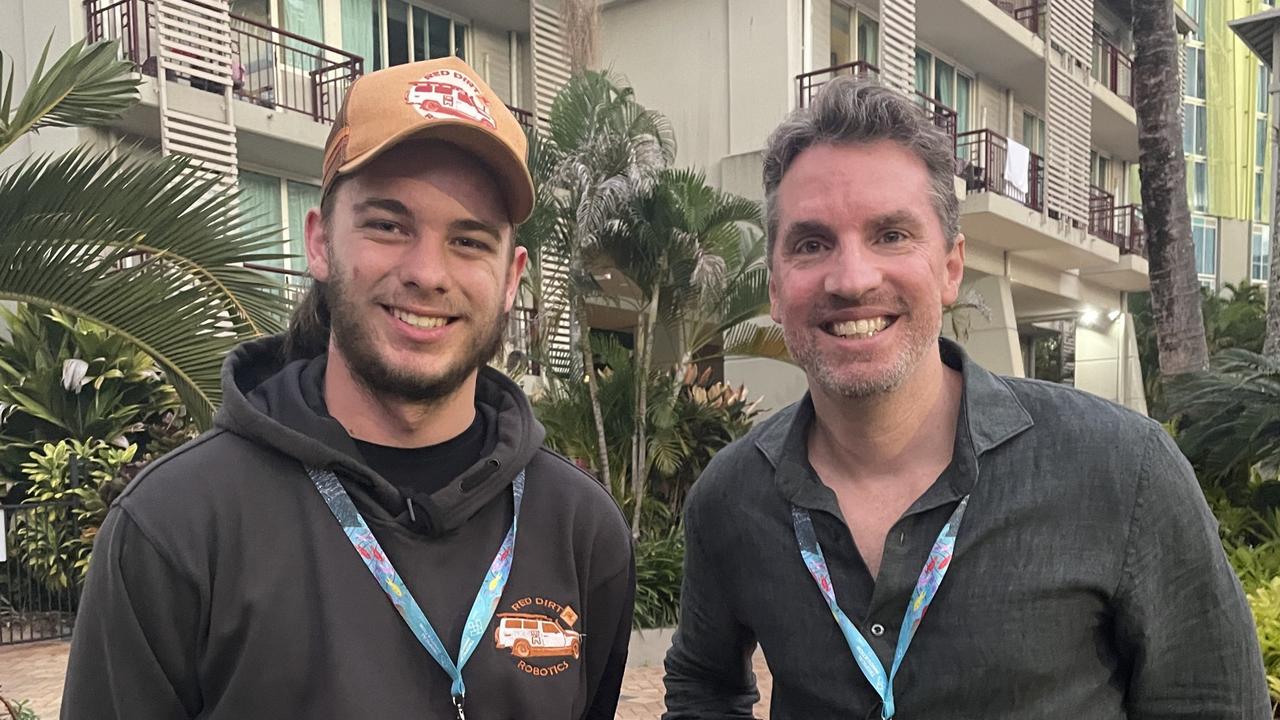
<point x="222" y="587"/>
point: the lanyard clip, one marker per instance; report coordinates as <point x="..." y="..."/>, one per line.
<point x="459" y="714"/>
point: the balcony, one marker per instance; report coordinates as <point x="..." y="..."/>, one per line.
<point x="1122" y="227"/>
<point x="524" y="117"/>
<point x="272" y="68"/>
<point x="1102" y="205"/>
<point x="1030" y="15"/>
<point x="808" y="84"/>
<point x="1112" y="68"/>
<point x="984" y="165"/>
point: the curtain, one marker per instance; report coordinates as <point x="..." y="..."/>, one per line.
<point x="305" y="18"/>
<point x="302" y="197"/>
<point x="260" y="198"/>
<point x="359" y="30"/>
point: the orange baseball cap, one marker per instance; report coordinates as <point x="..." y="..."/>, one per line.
<point x="440" y="99"/>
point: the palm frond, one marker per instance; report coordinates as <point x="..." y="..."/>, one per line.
<point x="145" y="249"/>
<point x="756" y="341"/>
<point x="88" y="85"/>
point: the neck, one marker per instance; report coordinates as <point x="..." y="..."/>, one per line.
<point x="884" y="435"/>
<point x="390" y="420"/>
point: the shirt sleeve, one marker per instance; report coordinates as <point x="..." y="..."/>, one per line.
<point x="133" y="651"/>
<point x="1182" y="622"/>
<point x="708" y="668"/>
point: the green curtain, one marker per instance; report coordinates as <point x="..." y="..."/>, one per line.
<point x="260" y="197"/>
<point x="358" y="30"/>
<point x="305" y="18"/>
<point x="302" y="197"/>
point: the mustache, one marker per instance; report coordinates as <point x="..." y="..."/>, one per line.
<point x="835" y="304"/>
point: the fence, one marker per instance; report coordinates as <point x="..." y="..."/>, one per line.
<point x="39" y="586"/>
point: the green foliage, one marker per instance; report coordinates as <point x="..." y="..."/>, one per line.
<point x="55" y="541"/>
<point x="1264" y="601"/>
<point x="65" y="378"/>
<point x="19" y="710"/>
<point x="659" y="573"/>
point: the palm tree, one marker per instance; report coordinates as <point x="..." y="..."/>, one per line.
<point x="142" y="246"/>
<point x="602" y="149"/>
<point x="677" y="245"/>
<point x="1175" y="291"/>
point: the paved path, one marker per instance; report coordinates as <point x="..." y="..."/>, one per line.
<point x="34" y="672"/>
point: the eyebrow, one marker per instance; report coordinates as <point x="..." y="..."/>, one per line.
<point x="390" y="205"/>
<point x="470" y="225"/>
<point x="805" y="228"/>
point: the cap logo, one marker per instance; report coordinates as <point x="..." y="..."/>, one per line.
<point x="448" y="95"/>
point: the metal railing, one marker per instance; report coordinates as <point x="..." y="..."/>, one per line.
<point x="983" y="163"/>
<point x="808" y="84"/>
<point x="1113" y="68"/>
<point x="271" y="67"/>
<point x="524" y="117"/>
<point x="522" y="338"/>
<point x="1101" y="208"/>
<point x="39" y="583"/>
<point x="1124" y="228"/>
<point x="942" y="115"/>
<point x="1030" y="14"/>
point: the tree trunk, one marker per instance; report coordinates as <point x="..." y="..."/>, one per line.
<point x="589" y="369"/>
<point x="1175" y="290"/>
<point x="640" y="472"/>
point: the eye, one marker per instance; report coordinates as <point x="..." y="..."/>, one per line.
<point x="893" y="236"/>
<point x="382" y="226"/>
<point x="471" y="243"/>
<point x="808" y="246"/>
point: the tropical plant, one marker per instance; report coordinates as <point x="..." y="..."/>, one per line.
<point x="64" y="378"/>
<point x="1230" y="419"/>
<point x="1264" y="601"/>
<point x="73" y="484"/>
<point x="676" y="243"/>
<point x="602" y="149"/>
<point x="1157" y="95"/>
<point x="659" y="573"/>
<point x="145" y="247"/>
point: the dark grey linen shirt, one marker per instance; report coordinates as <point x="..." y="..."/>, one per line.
<point x="1088" y="579"/>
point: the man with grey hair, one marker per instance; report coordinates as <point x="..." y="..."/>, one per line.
<point x="1083" y="573"/>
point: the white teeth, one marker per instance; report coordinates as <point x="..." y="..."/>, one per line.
<point x="860" y="328"/>
<point x="421" y="321"/>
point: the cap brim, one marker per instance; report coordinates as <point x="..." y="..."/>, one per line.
<point x="508" y="169"/>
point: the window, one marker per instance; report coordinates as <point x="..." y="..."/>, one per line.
<point x="1194" y="129"/>
<point x="549" y="628"/>
<point x="1200" y="186"/>
<point x="406" y="32"/>
<point x="1260" y="254"/>
<point x="271" y="202"/>
<point x="1193" y="82"/>
<point x="530" y="624"/>
<point x="942" y="81"/>
<point x="1259" y="197"/>
<point x="1033" y="132"/>
<point x="854" y="35"/>
<point x="1264" y="89"/>
<point x="1101" y="171"/>
<point x="1260" y="142"/>
<point x="1195" y="8"/>
<point x="1204" y="234"/>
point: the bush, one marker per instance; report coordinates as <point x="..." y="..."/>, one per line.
<point x="659" y="573"/>
<point x="1265" y="603"/>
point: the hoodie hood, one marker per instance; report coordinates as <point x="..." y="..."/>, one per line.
<point x="281" y="406"/>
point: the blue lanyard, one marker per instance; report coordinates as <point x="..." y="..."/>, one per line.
<point x="482" y="610"/>
<point x="935" y="569"/>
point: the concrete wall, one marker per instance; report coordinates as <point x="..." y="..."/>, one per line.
<point x="492" y="59"/>
<point x="993" y="343"/>
<point x="1107" y="361"/>
<point x="993" y="110"/>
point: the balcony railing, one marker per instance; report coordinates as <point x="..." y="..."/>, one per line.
<point x="271" y="67"/>
<point x="809" y="83"/>
<point x="1030" y="13"/>
<point x="1123" y="227"/>
<point x="1113" y="68"/>
<point x="524" y="117"/>
<point x="942" y="115"/>
<point x="293" y="283"/>
<point x="984" y="165"/>
<point x="1102" y="206"/>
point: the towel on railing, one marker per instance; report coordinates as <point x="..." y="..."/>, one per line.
<point x="1017" y="166"/>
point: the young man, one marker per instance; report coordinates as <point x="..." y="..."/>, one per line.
<point x="1083" y="573"/>
<point x="373" y="529"/>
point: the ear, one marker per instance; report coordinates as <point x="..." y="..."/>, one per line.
<point x="953" y="271"/>
<point x="317" y="246"/>
<point x="774" y="312"/>
<point x="519" y="258"/>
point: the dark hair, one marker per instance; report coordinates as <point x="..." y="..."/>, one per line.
<point x="308" y="333"/>
<point x="852" y="111"/>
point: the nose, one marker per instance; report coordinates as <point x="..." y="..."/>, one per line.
<point x="854" y="271"/>
<point x="424" y="265"/>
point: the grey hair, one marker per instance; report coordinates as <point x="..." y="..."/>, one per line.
<point x="850" y="111"/>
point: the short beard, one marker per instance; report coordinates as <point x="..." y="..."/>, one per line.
<point x="379" y="378"/>
<point x="835" y="384"/>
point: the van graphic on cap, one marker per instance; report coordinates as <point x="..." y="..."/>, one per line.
<point x="449" y="94"/>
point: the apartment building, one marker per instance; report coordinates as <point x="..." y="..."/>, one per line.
<point x="1225" y="111"/>
<point x="1038" y="97"/>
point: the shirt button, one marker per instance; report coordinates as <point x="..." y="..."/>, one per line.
<point x="877" y="630"/>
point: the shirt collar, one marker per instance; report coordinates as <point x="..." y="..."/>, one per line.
<point x="990" y="415"/>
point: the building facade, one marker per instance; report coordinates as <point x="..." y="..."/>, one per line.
<point x="1036" y="93"/>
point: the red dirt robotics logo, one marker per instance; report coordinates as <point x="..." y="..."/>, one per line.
<point x="450" y="95"/>
<point x="531" y="636"/>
